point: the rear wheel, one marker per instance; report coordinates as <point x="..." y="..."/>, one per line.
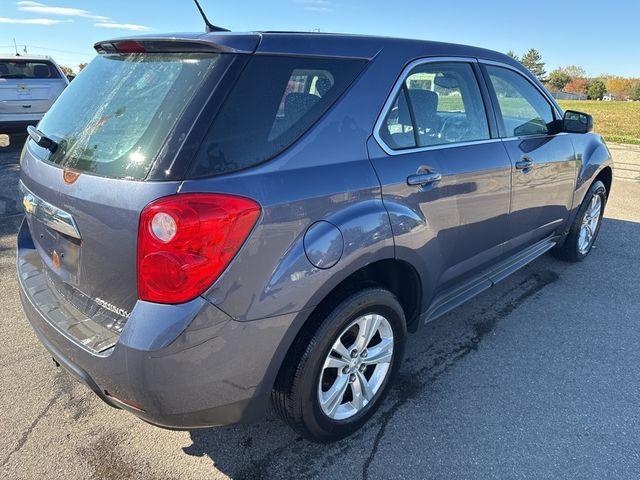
<point x="586" y="226"/>
<point x="336" y="377"/>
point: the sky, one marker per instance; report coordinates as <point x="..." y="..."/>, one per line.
<point x="602" y="37"/>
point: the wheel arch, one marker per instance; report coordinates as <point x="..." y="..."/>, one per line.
<point x="605" y="175"/>
<point x="397" y="276"/>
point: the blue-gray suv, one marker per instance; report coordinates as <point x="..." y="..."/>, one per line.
<point x="219" y="221"/>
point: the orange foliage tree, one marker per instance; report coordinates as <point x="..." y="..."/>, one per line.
<point x="577" y="85"/>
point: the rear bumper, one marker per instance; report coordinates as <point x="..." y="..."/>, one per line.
<point x="18" y="123"/>
<point x="184" y="366"/>
<point x="12" y="124"/>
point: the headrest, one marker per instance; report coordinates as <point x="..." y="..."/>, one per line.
<point x="425" y="107"/>
<point x="323" y="85"/>
<point x="297" y="104"/>
<point x="41" y="71"/>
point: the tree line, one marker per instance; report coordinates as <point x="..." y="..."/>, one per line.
<point x="69" y="71"/>
<point x="574" y="79"/>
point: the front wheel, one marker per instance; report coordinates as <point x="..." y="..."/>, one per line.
<point x="586" y="226"/>
<point x="336" y="378"/>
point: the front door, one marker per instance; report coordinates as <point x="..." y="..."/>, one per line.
<point x="446" y="182"/>
<point x="544" y="163"/>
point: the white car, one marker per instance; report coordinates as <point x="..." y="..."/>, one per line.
<point x="28" y="87"/>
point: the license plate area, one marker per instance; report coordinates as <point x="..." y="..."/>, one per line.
<point x="59" y="252"/>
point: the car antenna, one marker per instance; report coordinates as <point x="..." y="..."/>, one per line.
<point x="209" y="27"/>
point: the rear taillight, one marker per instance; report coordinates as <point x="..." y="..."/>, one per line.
<point x="186" y="241"/>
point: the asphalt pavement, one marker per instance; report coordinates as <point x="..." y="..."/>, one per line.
<point x="536" y="378"/>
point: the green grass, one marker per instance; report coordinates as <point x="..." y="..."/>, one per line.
<point x="450" y="103"/>
<point x="615" y="121"/>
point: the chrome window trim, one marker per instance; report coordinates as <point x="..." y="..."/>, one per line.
<point x="428" y="148"/>
<point x="392" y="96"/>
<point x="529" y="137"/>
<point x="47" y="213"/>
<point x="544" y="93"/>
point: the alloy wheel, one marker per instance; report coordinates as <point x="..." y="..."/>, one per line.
<point x="589" y="226"/>
<point x="356" y="367"/>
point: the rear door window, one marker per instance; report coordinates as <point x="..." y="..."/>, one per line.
<point x="27" y="69"/>
<point x="438" y="103"/>
<point x="275" y="101"/>
<point x="114" y="117"/>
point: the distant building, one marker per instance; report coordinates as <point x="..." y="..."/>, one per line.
<point x="568" y="96"/>
<point x="609" y="97"/>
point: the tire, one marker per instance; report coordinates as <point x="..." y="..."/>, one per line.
<point x="296" y="394"/>
<point x="575" y="248"/>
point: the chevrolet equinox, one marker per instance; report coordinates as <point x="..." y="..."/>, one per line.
<point x="219" y="221"/>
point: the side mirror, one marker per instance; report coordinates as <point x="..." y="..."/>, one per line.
<point x="71" y="76"/>
<point x="577" y="122"/>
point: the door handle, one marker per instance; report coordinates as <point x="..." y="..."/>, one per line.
<point x="422" y="179"/>
<point x="524" y="164"/>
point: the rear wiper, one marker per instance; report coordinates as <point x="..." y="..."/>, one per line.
<point x="41" y="139"/>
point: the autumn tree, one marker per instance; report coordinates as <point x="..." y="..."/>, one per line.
<point x="81" y="66"/>
<point x="618" y="86"/>
<point x="574" y="71"/>
<point x="577" y="85"/>
<point x="66" y="70"/>
<point x="634" y="91"/>
<point x="533" y="61"/>
<point x="558" y="79"/>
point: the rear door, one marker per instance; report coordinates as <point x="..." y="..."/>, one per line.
<point x="446" y="179"/>
<point x="544" y="162"/>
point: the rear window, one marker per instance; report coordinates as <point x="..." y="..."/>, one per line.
<point x="114" y="117"/>
<point x="22" y="69"/>
<point x="274" y="103"/>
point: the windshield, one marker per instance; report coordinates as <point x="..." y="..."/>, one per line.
<point x="113" y="118"/>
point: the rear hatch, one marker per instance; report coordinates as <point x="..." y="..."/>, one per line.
<point x="28" y="86"/>
<point x="111" y="126"/>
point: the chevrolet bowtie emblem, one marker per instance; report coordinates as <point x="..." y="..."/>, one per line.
<point x="29" y="204"/>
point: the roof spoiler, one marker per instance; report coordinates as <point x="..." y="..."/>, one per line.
<point x="181" y="43"/>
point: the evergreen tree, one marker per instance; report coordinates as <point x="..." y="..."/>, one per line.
<point x="596" y="89"/>
<point x="533" y="61"/>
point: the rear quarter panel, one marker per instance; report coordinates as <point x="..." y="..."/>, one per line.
<point x="271" y="275"/>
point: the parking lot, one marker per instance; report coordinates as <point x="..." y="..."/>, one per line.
<point x="536" y="378"/>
